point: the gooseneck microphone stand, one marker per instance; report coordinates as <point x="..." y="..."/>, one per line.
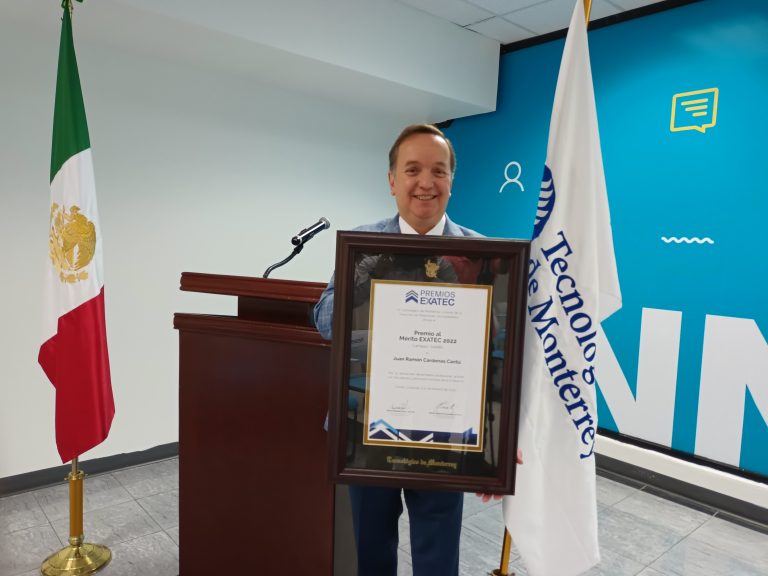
<point x="296" y="250"/>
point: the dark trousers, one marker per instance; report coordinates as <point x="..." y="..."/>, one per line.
<point x="435" y="519"/>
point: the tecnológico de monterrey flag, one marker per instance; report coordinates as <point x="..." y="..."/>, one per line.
<point x="74" y="350"/>
<point x="572" y="287"/>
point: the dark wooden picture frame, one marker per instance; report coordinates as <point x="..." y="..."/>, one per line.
<point x="474" y="261"/>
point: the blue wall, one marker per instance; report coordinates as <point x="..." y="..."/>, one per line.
<point x="705" y="184"/>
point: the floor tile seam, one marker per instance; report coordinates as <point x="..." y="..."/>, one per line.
<point x="468" y="516"/>
<point x="657" y="526"/>
<point x="648" y="563"/>
<point x="123" y="486"/>
<point x="41" y="525"/>
<point x="620" y="500"/>
<point x="63" y="543"/>
<point x="718" y="550"/>
<point x="723" y="551"/>
<point x="483" y="535"/>
<point x="659" y="571"/>
<point x="680" y="499"/>
<point x="167" y="534"/>
<point x="158" y="531"/>
<point x="151" y="518"/>
<point x="85" y="494"/>
<point x="137" y="496"/>
<point x="138" y="500"/>
<point x="36" y="525"/>
<point x="170" y="527"/>
<point x="126" y="487"/>
<point x="490" y="506"/>
<point x="680" y="541"/>
<point x="681" y="534"/>
<point x="110" y="505"/>
<point x="149" y="513"/>
<point x="643" y="564"/>
<point x="153" y="531"/>
<point x="85" y="531"/>
<point x="91" y="510"/>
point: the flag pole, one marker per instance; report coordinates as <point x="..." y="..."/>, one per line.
<point x="77" y="558"/>
<point x="503" y="569"/>
<point x="70" y="138"/>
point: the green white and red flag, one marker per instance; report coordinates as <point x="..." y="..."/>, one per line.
<point x="74" y="350"/>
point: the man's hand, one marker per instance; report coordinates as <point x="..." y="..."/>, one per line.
<point x="487" y="497"/>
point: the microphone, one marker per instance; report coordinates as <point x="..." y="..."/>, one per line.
<point x="308" y="233"/>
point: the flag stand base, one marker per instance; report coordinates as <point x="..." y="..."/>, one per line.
<point x="76" y="560"/>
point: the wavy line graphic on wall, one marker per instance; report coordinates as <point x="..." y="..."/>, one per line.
<point x="686" y="240"/>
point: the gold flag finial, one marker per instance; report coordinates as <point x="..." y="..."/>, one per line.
<point x="68" y="4"/>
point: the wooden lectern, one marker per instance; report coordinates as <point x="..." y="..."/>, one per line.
<point x="254" y="493"/>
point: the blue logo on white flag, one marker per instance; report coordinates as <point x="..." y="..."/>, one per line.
<point x="546" y="202"/>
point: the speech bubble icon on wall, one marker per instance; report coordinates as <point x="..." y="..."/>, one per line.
<point x="695" y="110"/>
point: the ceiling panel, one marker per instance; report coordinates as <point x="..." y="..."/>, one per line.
<point x="500" y="29"/>
<point x="459" y="12"/>
<point x="631" y="4"/>
<point x="555" y="15"/>
<point x="500" y="7"/>
<point x="532" y="17"/>
<point x="601" y="9"/>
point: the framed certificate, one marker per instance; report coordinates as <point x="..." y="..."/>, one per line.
<point x="426" y="361"/>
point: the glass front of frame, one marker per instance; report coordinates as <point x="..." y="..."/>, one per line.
<point x="427" y="386"/>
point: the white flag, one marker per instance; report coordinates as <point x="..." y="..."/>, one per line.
<point x="572" y="286"/>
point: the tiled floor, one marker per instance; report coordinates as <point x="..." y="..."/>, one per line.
<point x="135" y="512"/>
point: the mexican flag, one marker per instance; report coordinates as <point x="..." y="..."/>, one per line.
<point x="74" y="350"/>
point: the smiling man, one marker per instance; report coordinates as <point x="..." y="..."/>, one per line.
<point x="421" y="167"/>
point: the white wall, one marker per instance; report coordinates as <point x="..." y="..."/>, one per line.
<point x="381" y="38"/>
<point x="196" y="170"/>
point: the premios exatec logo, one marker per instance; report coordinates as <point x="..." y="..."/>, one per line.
<point x="431" y="297"/>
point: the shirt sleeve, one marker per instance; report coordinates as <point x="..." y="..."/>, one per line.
<point x="324" y="311"/>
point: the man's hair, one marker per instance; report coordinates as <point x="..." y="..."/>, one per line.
<point x="409" y="131"/>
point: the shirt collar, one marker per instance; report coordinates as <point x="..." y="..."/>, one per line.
<point x="406" y="228"/>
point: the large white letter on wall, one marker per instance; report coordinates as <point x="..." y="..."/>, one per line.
<point x="735" y="359"/>
<point x="649" y="415"/>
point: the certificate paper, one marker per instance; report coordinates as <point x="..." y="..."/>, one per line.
<point x="427" y="363"/>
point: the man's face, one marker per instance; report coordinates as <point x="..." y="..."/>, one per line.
<point x="421" y="180"/>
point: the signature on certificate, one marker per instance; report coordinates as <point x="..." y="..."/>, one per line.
<point x="399" y="406"/>
<point x="446" y="408"/>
